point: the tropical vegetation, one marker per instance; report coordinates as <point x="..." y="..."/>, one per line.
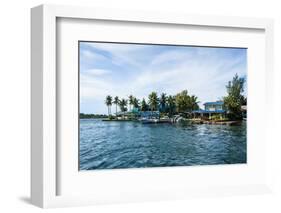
<point x="235" y="99"/>
<point x="181" y="103"/>
<point x="166" y="104"/>
<point x="108" y="102"/>
<point x="116" y="102"/>
<point x="90" y="116"/>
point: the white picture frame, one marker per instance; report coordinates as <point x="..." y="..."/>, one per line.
<point x="44" y="135"/>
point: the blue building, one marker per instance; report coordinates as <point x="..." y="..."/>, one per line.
<point x="214" y="106"/>
<point x="210" y="109"/>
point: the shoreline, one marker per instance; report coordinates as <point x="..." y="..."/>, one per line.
<point x="185" y="121"/>
<point x="228" y="123"/>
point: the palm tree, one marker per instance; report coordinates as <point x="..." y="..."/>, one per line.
<point x="144" y="106"/>
<point x="108" y="102"/>
<point x="163" y="101"/>
<point x="136" y="103"/>
<point x="171" y="104"/>
<point x="153" y="101"/>
<point x="131" y="100"/>
<point x="183" y="101"/>
<point x="116" y="102"/>
<point x="123" y="105"/>
<point x="194" y="102"/>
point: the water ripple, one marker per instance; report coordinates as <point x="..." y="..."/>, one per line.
<point x="110" y="145"/>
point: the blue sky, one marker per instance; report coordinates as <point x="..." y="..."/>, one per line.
<point x="123" y="69"/>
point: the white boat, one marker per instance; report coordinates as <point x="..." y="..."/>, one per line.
<point x="149" y="120"/>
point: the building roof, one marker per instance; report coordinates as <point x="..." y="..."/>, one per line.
<point x="214" y="103"/>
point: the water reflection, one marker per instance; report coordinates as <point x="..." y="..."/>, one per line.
<point x="109" y="145"/>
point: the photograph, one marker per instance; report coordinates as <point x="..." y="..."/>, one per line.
<point x="161" y="105"/>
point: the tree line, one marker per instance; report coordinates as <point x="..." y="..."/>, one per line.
<point x="182" y="102"/>
<point x="164" y="103"/>
<point x="87" y="116"/>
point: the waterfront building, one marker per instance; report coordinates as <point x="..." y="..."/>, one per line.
<point x="210" y="109"/>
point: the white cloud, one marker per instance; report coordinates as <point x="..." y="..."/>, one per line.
<point x="171" y="56"/>
<point x="204" y="78"/>
<point x="116" y="48"/>
<point x="90" y="55"/>
<point x="122" y="53"/>
<point x="96" y="72"/>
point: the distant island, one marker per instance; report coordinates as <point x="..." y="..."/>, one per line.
<point x="180" y="107"/>
<point x="89" y="116"/>
<point x="230" y="109"/>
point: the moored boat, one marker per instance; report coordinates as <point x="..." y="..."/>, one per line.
<point x="149" y="120"/>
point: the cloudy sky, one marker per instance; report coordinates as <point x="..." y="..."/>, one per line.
<point x="124" y="69"/>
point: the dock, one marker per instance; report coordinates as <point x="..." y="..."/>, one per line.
<point x="228" y="123"/>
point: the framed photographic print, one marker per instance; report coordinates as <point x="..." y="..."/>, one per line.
<point x="130" y="106"/>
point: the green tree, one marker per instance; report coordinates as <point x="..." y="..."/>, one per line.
<point x="131" y="101"/>
<point x="136" y="103"/>
<point x="171" y="105"/>
<point x="244" y="101"/>
<point x="182" y="100"/>
<point x="144" y="106"/>
<point x="153" y="101"/>
<point x="235" y="98"/>
<point x="163" y="102"/>
<point x="116" y="102"/>
<point x="194" y="102"/>
<point x="108" y="102"/>
<point x="123" y="105"/>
